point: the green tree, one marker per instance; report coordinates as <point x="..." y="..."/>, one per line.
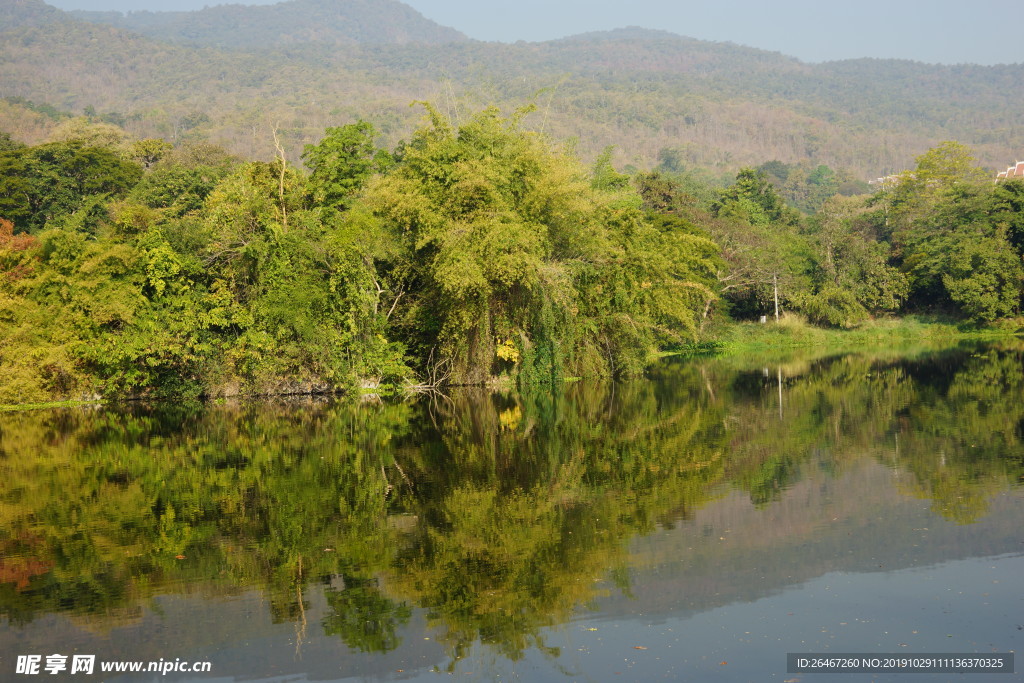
<point x="940" y="172"/>
<point x="342" y="162"/>
<point x="753" y="200"/>
<point x="180" y="179"/>
<point x="948" y="164"/>
<point x="665" y="194"/>
<point x="56" y="180"/>
<point x="604" y="177"/>
<point x="766" y="257"/>
<point x="89" y="133"/>
<point x="956" y="232"/>
<point x="149" y="151"/>
<point x="518" y="265"/>
<point x="853" y="275"/>
<point x="1008" y="211"/>
<point x="802" y="186"/>
<point x="984" y="277"/>
<point x="6" y="143"/>
<point x="306" y="288"/>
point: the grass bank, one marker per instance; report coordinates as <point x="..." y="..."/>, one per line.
<point x="793" y="332"/>
<point x="38" y="406"/>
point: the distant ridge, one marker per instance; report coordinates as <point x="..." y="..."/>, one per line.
<point x="226" y="74"/>
<point x="28" y="14"/>
<point x="625" y="33"/>
<point x="336" y="22"/>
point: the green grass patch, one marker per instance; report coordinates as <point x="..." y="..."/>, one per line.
<point x="9" y="408"/>
<point x="793" y="331"/>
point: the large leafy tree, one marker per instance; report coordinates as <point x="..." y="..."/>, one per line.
<point x="6" y="143"/>
<point x="957" y="235"/>
<point x="341" y="163"/>
<point x="58" y="180"/>
<point x="852" y="273"/>
<point x="515" y="262"/>
<point x="178" y="180"/>
<point x="961" y="254"/>
<point x="766" y="256"/>
<point x="752" y="198"/>
<point x="305" y="288"/>
<point x="914" y="195"/>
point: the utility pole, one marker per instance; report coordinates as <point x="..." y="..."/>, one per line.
<point x="775" y="284"/>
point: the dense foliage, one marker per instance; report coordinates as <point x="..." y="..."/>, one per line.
<point x="474" y="252"/>
<point x="942" y="238"/>
<point x="511" y="257"/>
<point x="470" y="253"/>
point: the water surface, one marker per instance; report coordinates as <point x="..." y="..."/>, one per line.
<point x="694" y="525"/>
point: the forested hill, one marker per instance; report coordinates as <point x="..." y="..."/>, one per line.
<point x="16" y="14"/>
<point x="657" y="97"/>
<point x="292" y="22"/>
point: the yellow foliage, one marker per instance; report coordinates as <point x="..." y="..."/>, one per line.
<point x="507" y="350"/>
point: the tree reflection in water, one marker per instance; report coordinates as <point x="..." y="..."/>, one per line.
<point x="498" y="514"/>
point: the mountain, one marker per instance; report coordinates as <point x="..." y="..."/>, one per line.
<point x="28" y="13"/>
<point x="656" y="96"/>
<point x="336" y="22"/>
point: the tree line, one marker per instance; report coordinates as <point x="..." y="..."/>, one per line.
<point x="467" y="253"/>
<point x="941" y="238"/>
<point x="471" y="253"/>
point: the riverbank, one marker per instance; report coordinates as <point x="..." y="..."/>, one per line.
<point x="793" y="332"/>
<point x="6" y="408"/>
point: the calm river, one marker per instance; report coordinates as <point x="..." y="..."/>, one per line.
<point x="698" y="524"/>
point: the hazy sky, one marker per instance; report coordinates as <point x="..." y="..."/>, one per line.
<point x="944" y="31"/>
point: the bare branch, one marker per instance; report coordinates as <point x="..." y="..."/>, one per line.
<point x="393" y="305"/>
<point x="284" y="166"/>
